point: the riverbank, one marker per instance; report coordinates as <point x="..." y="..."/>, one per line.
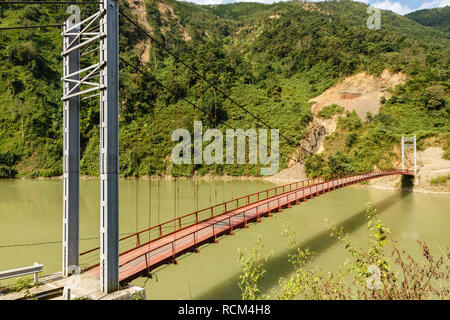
<point x="421" y="183"/>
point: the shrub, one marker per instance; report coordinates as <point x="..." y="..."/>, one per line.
<point x="440" y="181"/>
<point x="446" y="154"/>
<point x="252" y="271"/>
<point x="8" y="158"/>
<point x="31" y="13"/>
<point x="329" y="111"/>
<point x="23" y="284"/>
<point x="434" y="97"/>
<point x="352" y="121"/>
<point x="7" y="172"/>
<point x="351" y="139"/>
<point x="368" y="274"/>
<point x="21" y="53"/>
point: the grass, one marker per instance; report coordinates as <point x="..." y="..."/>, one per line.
<point x="329" y="111"/>
<point x="439" y="181"/>
<point x="21" y="284"/>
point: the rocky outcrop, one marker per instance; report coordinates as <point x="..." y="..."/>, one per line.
<point x="167" y="11"/>
<point x="315" y="135"/>
<point x="143" y="48"/>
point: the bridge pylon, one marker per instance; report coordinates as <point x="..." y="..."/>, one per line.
<point x="98" y="33"/>
<point x="71" y="145"/>
<point x="409" y="143"/>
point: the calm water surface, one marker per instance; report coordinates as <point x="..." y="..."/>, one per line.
<point x="31" y="217"/>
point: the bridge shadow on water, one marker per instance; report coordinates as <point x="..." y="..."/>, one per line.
<point x="279" y="266"/>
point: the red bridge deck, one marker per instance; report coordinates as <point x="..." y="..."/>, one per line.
<point x="176" y="237"/>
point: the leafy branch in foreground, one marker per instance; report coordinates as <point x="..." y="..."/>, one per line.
<point x="368" y="274"/>
<point x="252" y="271"/>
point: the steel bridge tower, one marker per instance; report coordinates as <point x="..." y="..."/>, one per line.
<point x="409" y="143"/>
<point x="99" y="34"/>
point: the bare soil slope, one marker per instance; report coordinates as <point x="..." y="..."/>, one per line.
<point x="360" y="92"/>
<point x="138" y="8"/>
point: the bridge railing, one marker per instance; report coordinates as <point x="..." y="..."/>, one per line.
<point x="176" y="245"/>
<point x="174" y="225"/>
<point x="171" y="248"/>
<point x="34" y="269"/>
<point x="169" y="227"/>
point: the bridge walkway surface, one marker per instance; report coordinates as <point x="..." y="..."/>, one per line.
<point x="188" y="232"/>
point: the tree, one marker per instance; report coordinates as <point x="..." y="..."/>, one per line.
<point x="434" y="97"/>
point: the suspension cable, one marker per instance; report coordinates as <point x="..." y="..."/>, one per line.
<point x="52" y="242"/>
<point x="175" y="189"/>
<point x="188" y="101"/>
<point x="33" y="27"/>
<point x="40" y="2"/>
<point x="215" y="87"/>
<point x="215" y="162"/>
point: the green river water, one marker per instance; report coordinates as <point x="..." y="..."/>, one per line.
<point x="31" y="218"/>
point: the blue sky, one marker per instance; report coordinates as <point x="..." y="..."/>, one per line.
<point x="406" y="6"/>
<point x="397" y="6"/>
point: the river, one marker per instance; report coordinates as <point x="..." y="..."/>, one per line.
<point x="30" y="228"/>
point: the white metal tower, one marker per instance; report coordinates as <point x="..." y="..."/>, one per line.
<point x="97" y="33"/>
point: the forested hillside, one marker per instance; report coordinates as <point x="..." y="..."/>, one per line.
<point x="438" y="18"/>
<point x="270" y="58"/>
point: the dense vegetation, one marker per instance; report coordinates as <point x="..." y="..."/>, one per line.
<point x="369" y="272"/>
<point x="438" y="18"/>
<point x="329" y="111"/>
<point x="270" y="58"/>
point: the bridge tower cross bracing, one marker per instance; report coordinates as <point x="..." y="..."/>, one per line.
<point x="99" y="33"/>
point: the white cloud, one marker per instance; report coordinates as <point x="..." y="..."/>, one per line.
<point x="396" y="7"/>
<point x="434" y="4"/>
<point x="403" y="9"/>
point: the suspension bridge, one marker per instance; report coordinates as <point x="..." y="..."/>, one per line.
<point x="163" y="243"/>
<point x="120" y="260"/>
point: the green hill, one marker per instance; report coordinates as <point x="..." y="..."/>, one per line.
<point x="270" y="58"/>
<point x="438" y="18"/>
